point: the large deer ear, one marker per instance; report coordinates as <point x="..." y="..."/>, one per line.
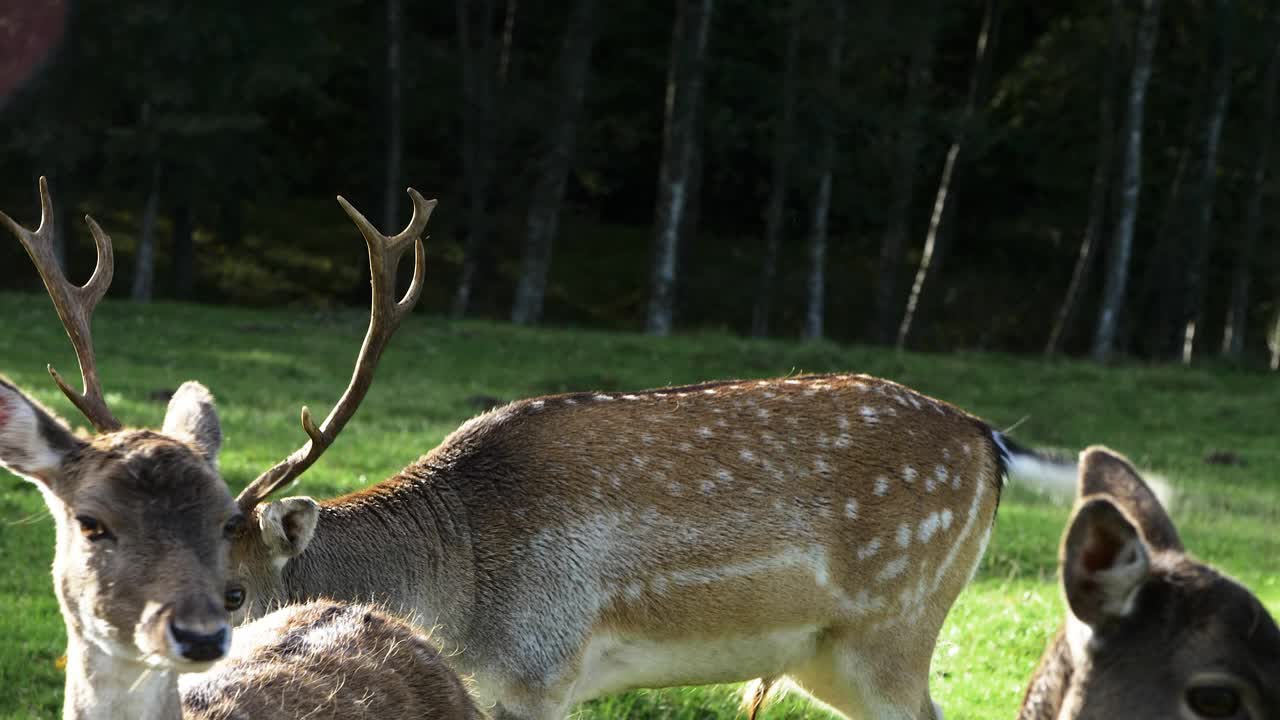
<point x="288" y="526"/>
<point x="193" y="418"/>
<point x="33" y="441"/>
<point x="1104" y="562"/>
<point x="1105" y="472"/>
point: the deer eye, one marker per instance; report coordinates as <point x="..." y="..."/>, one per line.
<point x="232" y="527"/>
<point x="1213" y="701"/>
<point x="233" y="598"/>
<point x="93" y="529"/>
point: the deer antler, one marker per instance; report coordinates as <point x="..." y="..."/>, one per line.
<point x="74" y="303"/>
<point x="384" y="317"/>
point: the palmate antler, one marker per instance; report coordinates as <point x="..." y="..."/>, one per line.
<point x="384" y="317"/>
<point x="74" y="303"/>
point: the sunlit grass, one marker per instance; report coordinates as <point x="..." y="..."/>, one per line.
<point x="264" y="365"/>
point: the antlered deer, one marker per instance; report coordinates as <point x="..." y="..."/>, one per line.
<point x="1150" y="632"/>
<point x="144" y="526"/>
<point x="573" y="546"/>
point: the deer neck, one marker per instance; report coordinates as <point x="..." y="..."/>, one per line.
<point x="404" y="544"/>
<point x="1047" y="691"/>
<point x="101" y="686"/>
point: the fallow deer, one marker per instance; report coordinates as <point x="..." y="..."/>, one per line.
<point x="144" y="526"/>
<point x="1150" y="631"/>
<point x="573" y="546"/>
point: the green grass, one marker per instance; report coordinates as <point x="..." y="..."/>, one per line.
<point x="264" y="365"/>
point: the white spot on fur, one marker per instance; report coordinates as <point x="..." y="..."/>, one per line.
<point x="537" y="404"/>
<point x="869" y="415"/>
<point x="871" y="548"/>
<point x="904" y="534"/>
<point x="630" y="397"/>
<point x="705" y="431"/>
<point x="790" y="382"/>
<point x="842" y="422"/>
<point x="821" y="466"/>
<point x="707" y="487"/>
<point x="928" y="527"/>
<point x="945" y="517"/>
<point x="893" y="568"/>
<point x="709" y="391"/>
<point x="646" y="438"/>
<point x="909" y="474"/>
<point x="724" y="475"/>
<point x="882" y="486"/>
<point x="746" y="455"/>
<point x="685" y="446"/>
<point x="570" y="401"/>
<point x="601" y="397"/>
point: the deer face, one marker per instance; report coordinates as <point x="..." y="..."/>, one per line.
<point x="143" y="527"/>
<point x="1153" y="633"/>
<point x="277" y="532"/>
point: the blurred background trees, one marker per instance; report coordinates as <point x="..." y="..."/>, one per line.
<point x="1091" y="176"/>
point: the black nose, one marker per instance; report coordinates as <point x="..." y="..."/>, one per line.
<point x="200" y="647"/>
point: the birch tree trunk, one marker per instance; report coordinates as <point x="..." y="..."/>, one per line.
<point x="782" y="150"/>
<point x="145" y="264"/>
<point x="548" y="192"/>
<point x="1233" y="331"/>
<point x="684" y="85"/>
<point x="903" y="179"/>
<point x="1131" y="184"/>
<point x="1102" y="171"/>
<point x="939" y="235"/>
<point x="1201" y="241"/>
<point x="815" y="307"/>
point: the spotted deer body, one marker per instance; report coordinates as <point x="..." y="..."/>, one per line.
<point x="1151" y="632"/>
<point x="144" y="529"/>
<point x="818" y="527"/>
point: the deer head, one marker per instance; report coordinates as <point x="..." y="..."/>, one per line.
<point x="1150" y="632"/>
<point x="144" y="519"/>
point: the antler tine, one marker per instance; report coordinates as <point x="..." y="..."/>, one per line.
<point x="74" y="303"/>
<point x="385" y="314"/>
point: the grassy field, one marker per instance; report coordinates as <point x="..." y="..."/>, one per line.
<point x="264" y="365"/>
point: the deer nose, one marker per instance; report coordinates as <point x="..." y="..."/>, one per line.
<point x="199" y="646"/>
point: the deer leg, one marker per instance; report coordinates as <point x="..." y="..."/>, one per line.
<point x="869" y="685"/>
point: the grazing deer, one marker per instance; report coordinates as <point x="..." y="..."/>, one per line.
<point x="144" y="527"/>
<point x="579" y="545"/>
<point x="1150" y="632"/>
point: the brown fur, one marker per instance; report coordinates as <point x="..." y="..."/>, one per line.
<point x="690" y="513"/>
<point x="328" y="660"/>
<point x="1185" y="626"/>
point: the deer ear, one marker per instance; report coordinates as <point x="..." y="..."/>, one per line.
<point x="192" y="417"/>
<point x="1104" y="562"/>
<point x="1105" y="472"/>
<point x="33" y="441"/>
<point x="288" y="526"/>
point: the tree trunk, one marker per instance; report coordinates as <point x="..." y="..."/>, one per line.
<point x="778" y="183"/>
<point x="815" y="309"/>
<point x="548" y="192"/>
<point x="391" y="177"/>
<point x="476" y="62"/>
<point x="1201" y="240"/>
<point x="903" y="179"/>
<point x="1102" y="171"/>
<point x="939" y="235"/>
<point x="1233" y="331"/>
<point x="1131" y="184"/>
<point x="182" y="267"/>
<point x="684" y="85"/>
<point x="144" y="268"/>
